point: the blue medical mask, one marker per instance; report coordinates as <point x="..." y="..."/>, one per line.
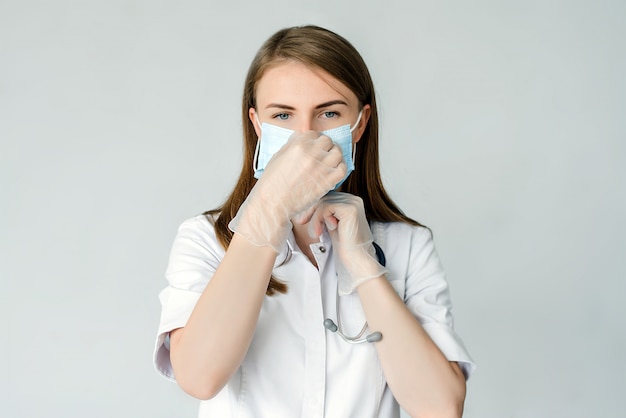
<point x="274" y="137"/>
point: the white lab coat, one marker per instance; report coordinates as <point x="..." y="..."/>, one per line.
<point x="294" y="366"/>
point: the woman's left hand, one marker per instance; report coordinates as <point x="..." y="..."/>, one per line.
<point x="344" y="217"/>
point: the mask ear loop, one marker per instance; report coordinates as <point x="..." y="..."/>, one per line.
<point x="352" y="130"/>
<point x="256" y="155"/>
<point x="256" y="150"/>
<point x="355" y="125"/>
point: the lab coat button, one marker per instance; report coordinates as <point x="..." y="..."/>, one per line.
<point x="322" y="249"/>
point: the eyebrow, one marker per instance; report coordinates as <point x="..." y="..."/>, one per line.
<point x="319" y="106"/>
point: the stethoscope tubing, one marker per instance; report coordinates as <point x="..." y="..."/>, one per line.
<point x="330" y="325"/>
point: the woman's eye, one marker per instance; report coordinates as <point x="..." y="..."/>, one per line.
<point x="281" y="116"/>
<point x="330" y="115"/>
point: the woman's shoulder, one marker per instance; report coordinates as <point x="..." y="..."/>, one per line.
<point x="402" y="230"/>
<point x="199" y="228"/>
<point x="201" y="222"/>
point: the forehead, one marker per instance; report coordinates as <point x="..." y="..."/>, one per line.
<point x="293" y="82"/>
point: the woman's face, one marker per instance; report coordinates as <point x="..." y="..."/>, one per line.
<point x="295" y="96"/>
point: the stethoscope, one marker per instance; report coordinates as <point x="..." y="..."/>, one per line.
<point x="330" y="325"/>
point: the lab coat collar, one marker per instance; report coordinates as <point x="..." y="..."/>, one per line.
<point x="289" y="246"/>
<point x="285" y="251"/>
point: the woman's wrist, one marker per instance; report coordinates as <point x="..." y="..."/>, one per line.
<point x="356" y="266"/>
<point x="261" y="224"/>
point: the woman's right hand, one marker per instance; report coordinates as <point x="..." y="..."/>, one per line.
<point x="307" y="167"/>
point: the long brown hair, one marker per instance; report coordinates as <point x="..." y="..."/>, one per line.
<point x="319" y="48"/>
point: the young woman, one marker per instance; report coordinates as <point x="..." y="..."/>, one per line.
<point x="309" y="293"/>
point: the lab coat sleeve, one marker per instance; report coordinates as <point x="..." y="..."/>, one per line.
<point x="194" y="258"/>
<point x="427" y="295"/>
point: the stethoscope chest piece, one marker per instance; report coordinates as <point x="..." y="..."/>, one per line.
<point x="330" y="325"/>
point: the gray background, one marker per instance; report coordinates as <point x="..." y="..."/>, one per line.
<point x="502" y="129"/>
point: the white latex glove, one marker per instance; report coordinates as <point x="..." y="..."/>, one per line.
<point x="297" y="176"/>
<point x="344" y="217"/>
